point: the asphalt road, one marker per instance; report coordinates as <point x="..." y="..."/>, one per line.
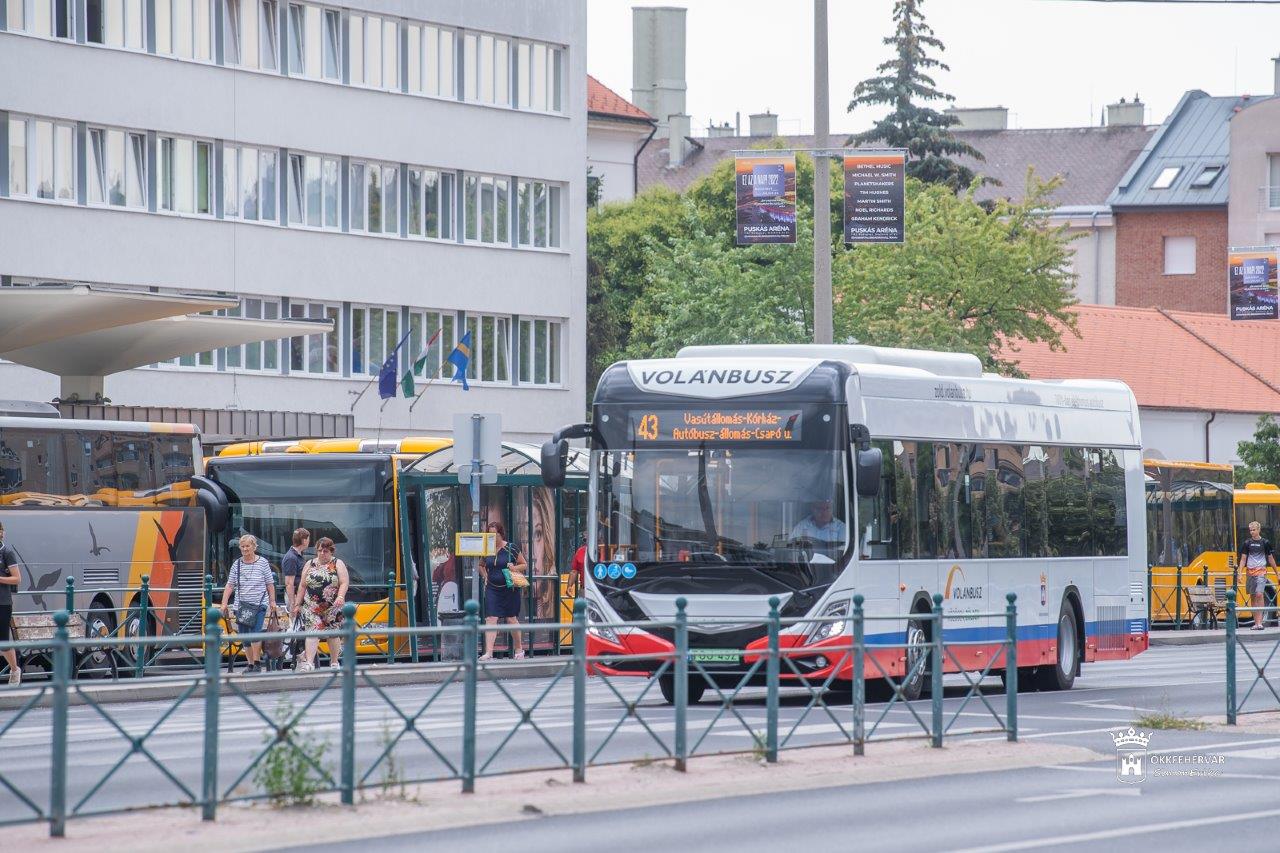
<point x="1185" y="680"/>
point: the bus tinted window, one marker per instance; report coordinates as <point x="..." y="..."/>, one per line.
<point x="32" y="466"/>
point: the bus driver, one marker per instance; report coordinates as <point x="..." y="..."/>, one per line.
<point x="820" y="527"/>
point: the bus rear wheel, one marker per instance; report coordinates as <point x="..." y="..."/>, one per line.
<point x="1061" y="674"/>
<point x="697" y="686"/>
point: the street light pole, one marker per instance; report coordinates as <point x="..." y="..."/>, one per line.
<point x="823" y="332"/>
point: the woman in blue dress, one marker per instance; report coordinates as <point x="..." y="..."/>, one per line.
<point x="501" y="599"/>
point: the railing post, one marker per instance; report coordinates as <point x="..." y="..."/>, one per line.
<point x="935" y="670"/>
<point x="1232" y="627"/>
<point x="579" y="690"/>
<point x="1177" y="597"/>
<point x="58" y="750"/>
<point x="470" y="656"/>
<point x="1150" y="595"/>
<point x="391" y="615"/>
<point x="773" y="667"/>
<point x="70" y="605"/>
<point x="212" y="691"/>
<point x="208" y="595"/>
<point x="859" y="677"/>
<point x="144" y="609"/>
<point x="1011" y="666"/>
<point x="348" y="782"/>
<point x="680" y="666"/>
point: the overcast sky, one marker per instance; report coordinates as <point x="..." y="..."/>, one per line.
<point x="1053" y="63"/>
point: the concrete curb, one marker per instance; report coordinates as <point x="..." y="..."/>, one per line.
<point x="171" y="687"/>
<point x="1211" y="638"/>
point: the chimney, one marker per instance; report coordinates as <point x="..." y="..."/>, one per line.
<point x="1275" y="64"/>
<point x="764" y="124"/>
<point x="715" y="131"/>
<point x="1126" y="114"/>
<point x="980" y="118"/>
<point x="658" y="62"/>
<point x="678" y="146"/>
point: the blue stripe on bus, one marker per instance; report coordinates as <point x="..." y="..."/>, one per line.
<point x="996" y="634"/>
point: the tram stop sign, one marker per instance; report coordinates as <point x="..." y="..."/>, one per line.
<point x="465" y="448"/>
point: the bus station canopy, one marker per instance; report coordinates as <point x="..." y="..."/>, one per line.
<point x="83" y="333"/>
<point x="516" y="459"/>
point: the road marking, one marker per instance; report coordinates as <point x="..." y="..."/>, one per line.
<point x="1120" y="832"/>
<point x="1204" y="746"/>
<point x="1268" y="752"/>
<point x="1103" y="706"/>
<point x="1079" y="793"/>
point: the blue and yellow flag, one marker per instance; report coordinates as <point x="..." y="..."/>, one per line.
<point x="460" y="358"/>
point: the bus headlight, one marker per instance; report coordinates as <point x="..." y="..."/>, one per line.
<point x="827" y="630"/>
<point x="594" y="620"/>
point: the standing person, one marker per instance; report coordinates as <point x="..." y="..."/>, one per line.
<point x="255" y="590"/>
<point x="292" y="562"/>
<point x="10" y="577"/>
<point x="1255" y="555"/>
<point x="319" y="600"/>
<point x="501" y="598"/>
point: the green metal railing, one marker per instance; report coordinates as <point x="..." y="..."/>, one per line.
<point x="1260" y="682"/>
<point x="478" y="739"/>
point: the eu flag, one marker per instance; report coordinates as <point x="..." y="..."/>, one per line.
<point x="389" y="373"/>
<point x="460" y="358"/>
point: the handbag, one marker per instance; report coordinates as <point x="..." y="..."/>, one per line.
<point x="515" y="578"/>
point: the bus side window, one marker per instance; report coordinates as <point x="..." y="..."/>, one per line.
<point x="878" y="516"/>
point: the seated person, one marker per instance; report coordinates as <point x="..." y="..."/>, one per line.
<point x="819" y="526"/>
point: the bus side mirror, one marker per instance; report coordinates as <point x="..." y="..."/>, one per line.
<point x="213" y="500"/>
<point x="555" y="457"/>
<point x="867" y="472"/>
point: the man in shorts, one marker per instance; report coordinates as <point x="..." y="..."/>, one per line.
<point x="10" y="577"/>
<point x="1255" y="555"/>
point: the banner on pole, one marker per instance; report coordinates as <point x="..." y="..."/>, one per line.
<point x="766" y="198"/>
<point x="1251" y="284"/>
<point x="875" y="196"/>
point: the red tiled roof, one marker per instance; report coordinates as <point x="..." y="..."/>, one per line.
<point x="1170" y="359"/>
<point x="602" y="100"/>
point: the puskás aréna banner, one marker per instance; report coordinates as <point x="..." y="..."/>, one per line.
<point x="875" y="197"/>
<point x="1251" y="284"/>
<point x="766" y="198"/>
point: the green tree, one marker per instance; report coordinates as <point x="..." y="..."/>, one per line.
<point x="1260" y="458"/>
<point x="904" y="83"/>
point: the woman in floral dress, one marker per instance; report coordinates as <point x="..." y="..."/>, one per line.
<point x="319" y="600"/>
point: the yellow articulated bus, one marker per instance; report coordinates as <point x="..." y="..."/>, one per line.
<point x="392" y="504"/>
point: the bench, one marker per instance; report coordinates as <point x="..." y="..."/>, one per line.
<point x="1203" y="602"/>
<point x="40" y="628"/>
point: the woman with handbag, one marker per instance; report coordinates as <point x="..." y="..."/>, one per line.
<point x="254" y="586"/>
<point x="505" y="575"/>
<point x="318" y="602"/>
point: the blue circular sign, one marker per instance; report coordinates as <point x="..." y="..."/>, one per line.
<point x="628" y="570"/>
<point x="600" y="571"/>
<point x="615" y="571"/>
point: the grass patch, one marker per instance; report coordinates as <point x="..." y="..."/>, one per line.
<point x="1168" y="720"/>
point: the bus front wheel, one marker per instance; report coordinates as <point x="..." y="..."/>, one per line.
<point x="697" y="686"/>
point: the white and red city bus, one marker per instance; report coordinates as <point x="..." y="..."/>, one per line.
<point x="732" y="474"/>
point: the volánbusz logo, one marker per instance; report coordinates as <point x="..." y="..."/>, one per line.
<point x="718" y="379"/>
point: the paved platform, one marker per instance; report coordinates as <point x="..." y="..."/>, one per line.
<point x="1201" y="637"/>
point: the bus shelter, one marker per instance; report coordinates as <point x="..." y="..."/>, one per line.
<point x="547" y="524"/>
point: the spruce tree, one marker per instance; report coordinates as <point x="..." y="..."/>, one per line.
<point x="904" y="84"/>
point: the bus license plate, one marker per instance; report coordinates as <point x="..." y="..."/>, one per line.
<point x="716" y="657"/>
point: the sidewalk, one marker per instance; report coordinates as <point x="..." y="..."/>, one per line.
<point x="1203" y="637"/>
<point x="172" y="686"/>
<point x="527" y="796"/>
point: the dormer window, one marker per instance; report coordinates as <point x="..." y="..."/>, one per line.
<point x="1167" y="176"/>
<point x="1207" y="176"/>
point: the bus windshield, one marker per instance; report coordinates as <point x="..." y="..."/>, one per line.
<point x="348" y="501"/>
<point x="722" y="508"/>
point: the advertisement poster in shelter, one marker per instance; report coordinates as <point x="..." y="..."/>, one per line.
<point x="766" y="198"/>
<point x="1251" y="284"/>
<point x="875" y="197"/>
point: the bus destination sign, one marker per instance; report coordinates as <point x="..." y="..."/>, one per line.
<point x="744" y="426"/>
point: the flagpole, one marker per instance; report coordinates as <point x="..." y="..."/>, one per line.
<point x="426" y="350"/>
<point x="362" y="390"/>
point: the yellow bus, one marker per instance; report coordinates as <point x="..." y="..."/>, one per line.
<point x="388" y="504"/>
<point x="1258" y="502"/>
<point x="1190" y="534"/>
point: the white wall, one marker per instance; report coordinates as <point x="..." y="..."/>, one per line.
<point x="1180" y="434"/>
<point x="1093" y="256"/>
<point x="611" y="152"/>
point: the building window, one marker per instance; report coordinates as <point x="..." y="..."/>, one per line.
<point x="539" y="214"/>
<point x="114" y="23"/>
<point x="1207" y="176"/>
<point x="375" y="52"/>
<point x="1165" y="179"/>
<point x="116" y="168"/>
<point x="251" y="34"/>
<point x="313" y="190"/>
<point x="485" y="69"/>
<point x="375" y="331"/>
<point x="315" y="38"/>
<point x="539" y="77"/>
<point x="319" y="353"/>
<point x="487" y="209"/>
<point x="375" y="198"/>
<point x="258" y="356"/>
<point x="249" y="183"/>
<point x="430" y="204"/>
<point x="186" y="175"/>
<point x="433" y="333"/>
<point x="539" y="349"/>
<point x="1179" y="255"/>
<point x="431" y="68"/>
<point x="184" y="28"/>
<point x="490" y="348"/>
<point x="42" y="157"/>
<point x="45" y="18"/>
